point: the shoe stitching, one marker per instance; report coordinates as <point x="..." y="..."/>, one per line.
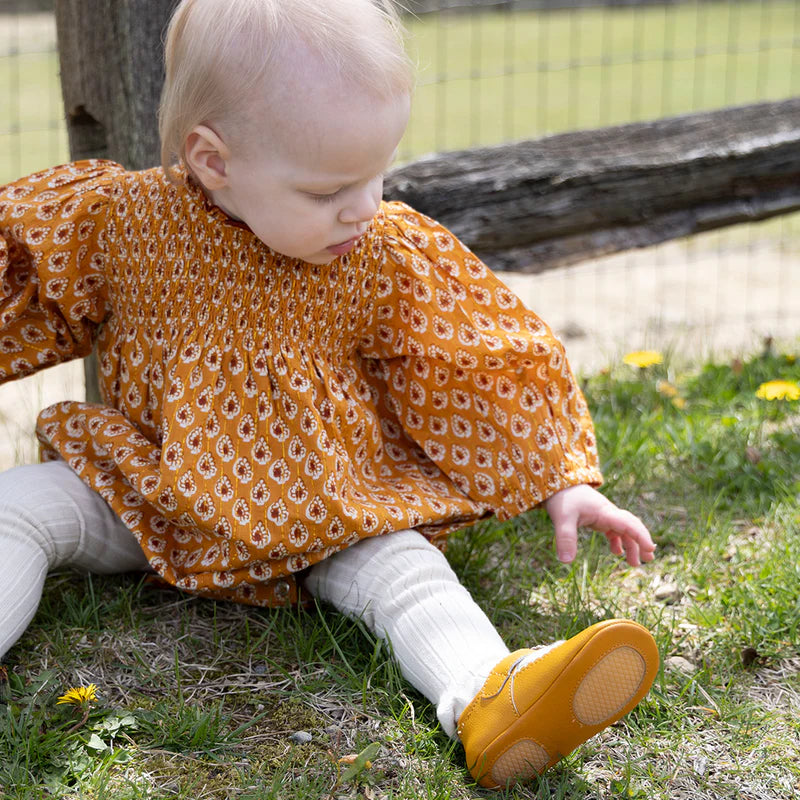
<point x="480" y="697"/>
<point x="514" y="669"/>
<point x="510" y="672"/>
<point x="510" y="675"/>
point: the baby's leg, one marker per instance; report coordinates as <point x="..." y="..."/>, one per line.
<point x="49" y="518"/>
<point x="515" y="713"/>
<point x="405" y="591"/>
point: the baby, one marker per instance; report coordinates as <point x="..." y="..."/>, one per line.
<point x="304" y="389"/>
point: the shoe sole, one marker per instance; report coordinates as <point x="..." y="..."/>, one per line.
<point x="602" y="682"/>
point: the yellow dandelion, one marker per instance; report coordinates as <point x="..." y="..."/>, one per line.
<point x="679" y="402"/>
<point x="666" y="389"/>
<point x="779" y="390"/>
<point x="642" y="358"/>
<point x="79" y="695"/>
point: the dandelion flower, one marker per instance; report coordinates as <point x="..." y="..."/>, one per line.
<point x="667" y="389"/>
<point x="643" y="358"/>
<point x="779" y="390"/>
<point x="79" y="696"/>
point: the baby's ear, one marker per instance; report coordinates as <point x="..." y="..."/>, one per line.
<point x="206" y="156"/>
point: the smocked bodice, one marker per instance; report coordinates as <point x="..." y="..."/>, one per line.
<point x="260" y="413"/>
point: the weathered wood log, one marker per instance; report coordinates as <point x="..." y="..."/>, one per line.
<point x="535" y="205"/>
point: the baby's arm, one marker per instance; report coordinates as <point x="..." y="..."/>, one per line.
<point x="579" y="506"/>
<point x="54" y="295"/>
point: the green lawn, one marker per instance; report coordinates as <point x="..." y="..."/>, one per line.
<point x="199" y="700"/>
<point x="496" y="77"/>
<point x="32" y="132"/>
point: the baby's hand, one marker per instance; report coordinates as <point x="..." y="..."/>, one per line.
<point x="580" y="506"/>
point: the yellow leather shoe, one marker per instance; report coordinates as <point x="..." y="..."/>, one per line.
<point x="537" y="707"/>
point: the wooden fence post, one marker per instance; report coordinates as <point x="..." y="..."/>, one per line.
<point x="111" y="77"/>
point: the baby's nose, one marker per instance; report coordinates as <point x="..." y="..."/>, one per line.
<point x="363" y="205"/>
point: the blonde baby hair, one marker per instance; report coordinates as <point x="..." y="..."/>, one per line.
<point x="217" y="51"/>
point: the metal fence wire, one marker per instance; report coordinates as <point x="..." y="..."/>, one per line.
<point x="493" y="71"/>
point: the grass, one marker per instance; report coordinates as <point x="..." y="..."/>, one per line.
<point x="494" y="77"/>
<point x="200" y="699"/>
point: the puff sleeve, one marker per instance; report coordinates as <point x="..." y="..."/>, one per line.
<point x="478" y="381"/>
<point x="53" y="291"/>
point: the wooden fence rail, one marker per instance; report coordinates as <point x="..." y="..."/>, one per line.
<point x="535" y="205"/>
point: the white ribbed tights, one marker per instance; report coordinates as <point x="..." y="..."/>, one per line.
<point x="49" y="519"/>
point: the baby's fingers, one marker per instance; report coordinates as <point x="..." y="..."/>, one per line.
<point x="638" y="544"/>
<point x="566" y="531"/>
<point x="626" y="532"/>
<point x="635" y="552"/>
<point x="615" y="544"/>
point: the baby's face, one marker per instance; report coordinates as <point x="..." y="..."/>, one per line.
<point x="312" y="188"/>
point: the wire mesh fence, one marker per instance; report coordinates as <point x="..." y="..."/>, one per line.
<point x="32" y="131"/>
<point x="496" y="71"/>
<point x="492" y="71"/>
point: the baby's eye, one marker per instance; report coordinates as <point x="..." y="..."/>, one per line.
<point x="324" y="198"/>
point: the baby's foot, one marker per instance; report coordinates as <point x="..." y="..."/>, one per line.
<point x="538" y="705"/>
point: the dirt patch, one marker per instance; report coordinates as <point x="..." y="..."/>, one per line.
<point x="697" y="301"/>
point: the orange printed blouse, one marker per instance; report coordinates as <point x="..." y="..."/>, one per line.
<point x="260" y="413"/>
